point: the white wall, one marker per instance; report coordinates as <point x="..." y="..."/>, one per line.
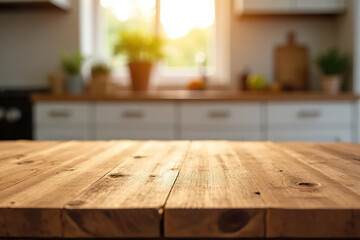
<point x="31" y="41"/>
<point x="255" y="38"/>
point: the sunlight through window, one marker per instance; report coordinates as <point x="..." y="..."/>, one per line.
<point x="178" y="18"/>
<point x="186" y="25"/>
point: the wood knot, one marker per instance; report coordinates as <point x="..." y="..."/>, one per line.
<point x="152" y="176"/>
<point x="118" y="175"/>
<point x="25" y="162"/>
<point x="306" y="184"/>
<point x="257" y="193"/>
<point x="139" y="157"/>
<point x="76" y="203"/>
<point x="233" y="220"/>
<point x="280" y="170"/>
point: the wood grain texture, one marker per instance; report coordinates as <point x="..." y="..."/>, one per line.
<point x="179" y="188"/>
<point x="214" y="196"/>
<point x="300" y="200"/>
<point x="209" y="95"/>
<point x="39" y="200"/>
<point x="129" y="200"/>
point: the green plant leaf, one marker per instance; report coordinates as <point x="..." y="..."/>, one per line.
<point x="139" y="46"/>
<point x="332" y="62"/>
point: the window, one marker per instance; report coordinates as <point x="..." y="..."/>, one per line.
<point x="192" y="30"/>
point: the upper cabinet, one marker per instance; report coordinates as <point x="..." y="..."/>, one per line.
<point x="327" y="6"/>
<point x="289" y="6"/>
<point x="63" y="5"/>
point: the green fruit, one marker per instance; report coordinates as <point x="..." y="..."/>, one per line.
<point x="256" y="82"/>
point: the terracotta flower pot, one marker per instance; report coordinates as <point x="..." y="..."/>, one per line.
<point x="140" y="75"/>
<point x="331" y="83"/>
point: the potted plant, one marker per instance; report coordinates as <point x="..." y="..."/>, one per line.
<point x="142" y="51"/>
<point x="72" y="64"/>
<point x="101" y="71"/>
<point x="333" y="66"/>
<point x="101" y="75"/>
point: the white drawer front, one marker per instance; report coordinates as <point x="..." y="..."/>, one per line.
<point x="334" y="135"/>
<point x="61" y="113"/>
<point x="134" y="113"/>
<point x="321" y="5"/>
<point x="188" y="134"/>
<point x="315" y="113"/>
<point x="220" y="114"/>
<point x="134" y="133"/>
<point x="61" y="134"/>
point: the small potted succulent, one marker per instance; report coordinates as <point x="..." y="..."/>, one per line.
<point x="71" y="65"/>
<point x="333" y="66"/>
<point x="142" y="51"/>
<point x="101" y="78"/>
<point x="101" y="71"/>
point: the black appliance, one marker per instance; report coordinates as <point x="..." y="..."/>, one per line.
<point x="16" y="116"/>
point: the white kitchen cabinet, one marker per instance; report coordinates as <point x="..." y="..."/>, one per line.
<point x="309" y="114"/>
<point x="289" y="6"/>
<point x="216" y="121"/>
<point x="221" y="134"/>
<point x="137" y="121"/>
<point x="319" y="6"/>
<point x="317" y="121"/>
<point x="261" y="6"/>
<point x="48" y="133"/>
<point x="139" y="133"/>
<point x="62" y="121"/>
<point x="310" y="121"/>
<point x="311" y="135"/>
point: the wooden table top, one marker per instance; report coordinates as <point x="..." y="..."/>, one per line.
<point x="209" y="95"/>
<point x="179" y="189"/>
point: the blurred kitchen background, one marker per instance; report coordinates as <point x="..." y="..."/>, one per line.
<point x="252" y="70"/>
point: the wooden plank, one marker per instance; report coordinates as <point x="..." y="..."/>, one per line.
<point x="214" y="196"/>
<point x="24" y="165"/>
<point x="343" y="167"/>
<point x="301" y="201"/>
<point x="10" y="150"/>
<point x="33" y="208"/>
<point x="129" y="200"/>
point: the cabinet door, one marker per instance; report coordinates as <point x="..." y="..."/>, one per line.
<point x="312" y="135"/>
<point x="139" y="133"/>
<point x="320" y="5"/>
<point x="61" y="134"/>
<point x="61" y="113"/>
<point x="220" y="134"/>
<point x="214" y="115"/>
<point x="264" y="5"/>
<point x="310" y="114"/>
<point x="135" y="114"/>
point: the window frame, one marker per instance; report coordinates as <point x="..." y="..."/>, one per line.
<point x="218" y="74"/>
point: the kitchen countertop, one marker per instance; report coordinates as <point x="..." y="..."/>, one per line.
<point x="179" y="189"/>
<point x="184" y="95"/>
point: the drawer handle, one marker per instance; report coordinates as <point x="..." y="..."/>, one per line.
<point x="59" y="114"/>
<point x="132" y="114"/>
<point x="309" y="114"/>
<point x="218" y="114"/>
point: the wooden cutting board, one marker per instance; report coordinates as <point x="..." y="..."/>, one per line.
<point x="291" y="62"/>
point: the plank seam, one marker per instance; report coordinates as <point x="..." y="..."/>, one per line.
<point x="162" y="222"/>
<point x="63" y="209"/>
